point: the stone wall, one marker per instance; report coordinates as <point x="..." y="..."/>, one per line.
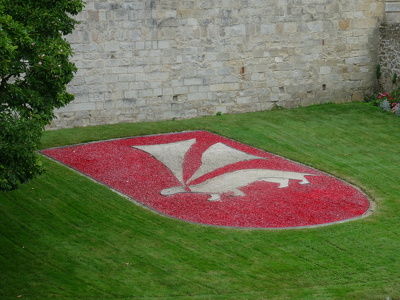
<point x="392" y="11"/>
<point x="389" y="58"/>
<point x="146" y="60"/>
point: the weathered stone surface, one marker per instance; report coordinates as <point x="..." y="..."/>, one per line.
<point x="148" y="60"/>
<point x="390" y="56"/>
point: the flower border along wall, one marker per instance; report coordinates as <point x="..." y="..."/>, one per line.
<point x="204" y="178"/>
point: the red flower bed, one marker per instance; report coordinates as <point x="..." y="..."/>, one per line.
<point x="234" y="184"/>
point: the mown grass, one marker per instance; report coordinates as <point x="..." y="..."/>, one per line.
<point x="64" y="236"/>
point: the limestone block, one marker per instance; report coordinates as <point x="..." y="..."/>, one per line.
<point x="246" y="100"/>
<point x="352" y="40"/>
<point x="357" y="96"/>
<point x="344" y="24"/>
<point x="392" y="6"/>
<point x="131" y="94"/>
<point x="197" y="96"/>
<point x="257" y="76"/>
<point x="94" y="79"/>
<point x="224" y="87"/>
<point x="325" y="70"/>
<point x="78" y="80"/>
<point x="179" y="90"/>
<point x="75" y="106"/>
<point x="145" y="93"/>
<point x="393" y="17"/>
<point x="317" y="26"/>
<point x="357" y="60"/>
<point x="290" y="27"/>
<point x="366" y="23"/>
<point x="221" y="109"/>
<point x="236" y="30"/>
<point x="192" y="81"/>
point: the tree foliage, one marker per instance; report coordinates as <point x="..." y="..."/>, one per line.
<point x="34" y="72"/>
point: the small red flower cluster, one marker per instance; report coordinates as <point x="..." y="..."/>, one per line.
<point x="394" y="104"/>
<point x="385" y="96"/>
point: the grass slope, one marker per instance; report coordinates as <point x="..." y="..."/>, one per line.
<point x="64" y="236"/>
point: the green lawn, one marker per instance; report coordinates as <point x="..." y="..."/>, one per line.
<point x="64" y="236"/>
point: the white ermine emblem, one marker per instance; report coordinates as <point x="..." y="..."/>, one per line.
<point x="219" y="155"/>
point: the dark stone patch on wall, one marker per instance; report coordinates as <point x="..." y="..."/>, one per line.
<point x="389" y="56"/>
